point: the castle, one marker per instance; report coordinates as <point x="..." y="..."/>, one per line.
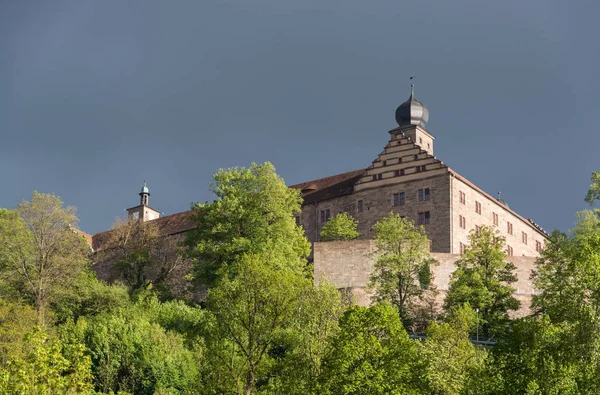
<point x="405" y="178"/>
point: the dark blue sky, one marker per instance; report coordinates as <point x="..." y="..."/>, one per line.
<point x="96" y="96"/>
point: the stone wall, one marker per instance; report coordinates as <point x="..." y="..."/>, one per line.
<point x="348" y="264"/>
<point x="489" y="207"/>
<point x="378" y="202"/>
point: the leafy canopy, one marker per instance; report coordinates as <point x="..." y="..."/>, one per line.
<point x="402" y="270"/>
<point x="339" y="228"/>
<point x="253" y="214"/>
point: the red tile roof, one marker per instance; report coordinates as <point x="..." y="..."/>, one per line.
<point x="169" y="225"/>
<point x="329" y="187"/>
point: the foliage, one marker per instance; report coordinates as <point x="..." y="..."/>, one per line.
<point x="16" y="320"/>
<point x="402" y="270"/>
<point x="593" y="193"/>
<point x="249" y="311"/>
<point x="371" y="354"/>
<point x="298" y="352"/>
<point x="253" y="214"/>
<point x="538" y="357"/>
<point x="87" y="296"/>
<point x="130" y="353"/>
<point x="42" y="367"/>
<point x="339" y="228"/>
<point x="141" y="255"/>
<point x="448" y="356"/>
<point x="40" y="252"/>
<point x="482" y="279"/>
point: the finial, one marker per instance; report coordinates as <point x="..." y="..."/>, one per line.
<point x="412" y="86"/>
<point x="499" y="195"/>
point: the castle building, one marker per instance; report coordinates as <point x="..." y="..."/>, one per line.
<point x="406" y="178"/>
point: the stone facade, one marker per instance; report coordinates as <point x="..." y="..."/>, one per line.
<point x="348" y="265"/>
<point x="408" y="179"/>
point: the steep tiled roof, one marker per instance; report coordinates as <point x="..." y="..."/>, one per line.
<point x="329" y="187"/>
<point x="169" y="225"/>
<point x="86" y="236"/>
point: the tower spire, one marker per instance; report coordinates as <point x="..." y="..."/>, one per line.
<point x="144" y="195"/>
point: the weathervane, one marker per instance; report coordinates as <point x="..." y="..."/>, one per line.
<point x="412" y="86"/>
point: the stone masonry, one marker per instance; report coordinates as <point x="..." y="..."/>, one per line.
<point x="348" y="265"/>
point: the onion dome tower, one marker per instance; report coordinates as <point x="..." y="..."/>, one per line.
<point x="412" y="111"/>
<point x="412" y="116"/>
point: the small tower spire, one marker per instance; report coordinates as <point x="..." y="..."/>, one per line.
<point x="144" y="195"/>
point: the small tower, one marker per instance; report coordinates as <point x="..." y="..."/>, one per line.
<point x="143" y="211"/>
<point x="412" y="115"/>
<point x="144" y="195"/>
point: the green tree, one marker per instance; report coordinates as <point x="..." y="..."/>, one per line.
<point x="371" y="354"/>
<point x="482" y="279"/>
<point x="250" y="311"/>
<point x="131" y="353"/>
<point x="40" y="251"/>
<point x="593" y="193"/>
<point x="402" y="270"/>
<point x="448" y="356"/>
<point x="299" y="351"/>
<point x="42" y="367"/>
<point x="339" y="228"/>
<point x="539" y="357"/>
<point x="253" y="214"/>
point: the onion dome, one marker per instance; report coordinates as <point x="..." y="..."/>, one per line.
<point x="145" y="188"/>
<point x="412" y="111"/>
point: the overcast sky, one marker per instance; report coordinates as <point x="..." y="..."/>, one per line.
<point x="96" y="96"/>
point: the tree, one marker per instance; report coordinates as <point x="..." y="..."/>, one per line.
<point x="593" y="193"/>
<point x="482" y="279"/>
<point x="46" y="366"/>
<point x="298" y="352"/>
<point x="40" y="250"/>
<point x="371" y="354"/>
<point x="448" y="355"/>
<point x="140" y="254"/>
<point x="253" y="214"/>
<point x="339" y="228"/>
<point x="402" y="270"/>
<point x="249" y="311"/>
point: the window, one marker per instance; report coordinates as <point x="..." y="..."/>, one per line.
<point x="385" y="162"/>
<point x="509" y="228"/>
<point x="415" y="157"/>
<point x="297" y="220"/>
<point x="524" y="237"/>
<point x="399" y="160"/>
<point x="509" y="251"/>
<point x="396" y="173"/>
<point x="462" y="248"/>
<point x="379" y="176"/>
<point x="477" y="230"/>
<point x="495" y="218"/>
<point x="374" y="177"/>
<point x="401" y="172"/>
<point x="399" y="199"/>
<point x="462" y="198"/>
<point x="423" y="218"/>
<point x="325" y="215"/>
<point x="360" y="206"/>
<point x="420" y="140"/>
<point x="420" y="168"/>
<point x="424" y="194"/>
<point x="538" y="246"/>
<point x="478" y="207"/>
<point x="462" y="222"/>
